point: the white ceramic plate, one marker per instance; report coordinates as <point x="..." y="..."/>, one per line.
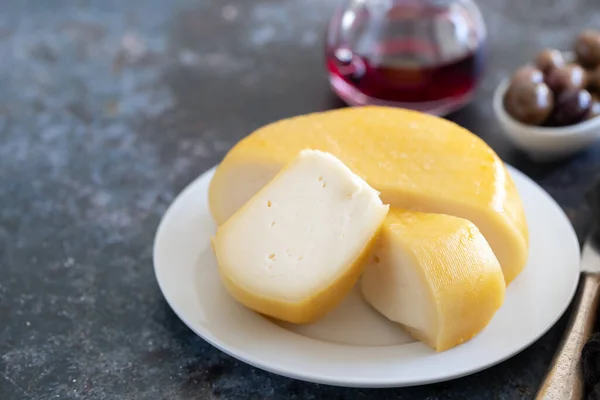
<point x="353" y="345"/>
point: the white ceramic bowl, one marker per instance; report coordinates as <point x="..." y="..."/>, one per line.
<point x="544" y="143"/>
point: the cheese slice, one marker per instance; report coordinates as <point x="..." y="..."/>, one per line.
<point x="297" y="247"/>
<point x="434" y="274"/>
<point x="416" y="161"/>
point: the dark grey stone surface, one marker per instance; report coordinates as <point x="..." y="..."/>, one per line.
<point x="109" y="108"/>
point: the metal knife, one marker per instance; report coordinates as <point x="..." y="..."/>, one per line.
<point x="564" y="380"/>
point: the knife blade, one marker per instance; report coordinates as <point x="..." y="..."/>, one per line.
<point x="564" y="380"/>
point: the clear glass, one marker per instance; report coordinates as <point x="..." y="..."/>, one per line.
<point x="425" y="55"/>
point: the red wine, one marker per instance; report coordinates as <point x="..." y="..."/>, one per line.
<point x="406" y="83"/>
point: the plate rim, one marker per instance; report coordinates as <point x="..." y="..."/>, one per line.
<point x="340" y="381"/>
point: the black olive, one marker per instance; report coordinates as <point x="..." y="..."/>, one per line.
<point x="571" y="107"/>
<point x="528" y="102"/>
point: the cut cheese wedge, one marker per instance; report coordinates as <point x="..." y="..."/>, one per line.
<point x="297" y="247"/>
<point x="434" y="274"/>
<point x="416" y="161"/>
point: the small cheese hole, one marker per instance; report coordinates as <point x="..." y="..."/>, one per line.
<point x="269" y="203"/>
<point x="272" y="257"/>
<point x="323" y="185"/>
<point x="376" y="260"/>
<point x="320" y="178"/>
<point x="300" y="258"/>
<point x="272" y="223"/>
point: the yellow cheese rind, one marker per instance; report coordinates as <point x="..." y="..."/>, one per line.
<point x="298" y="246"/>
<point x="436" y="275"/>
<point x="416" y="161"/>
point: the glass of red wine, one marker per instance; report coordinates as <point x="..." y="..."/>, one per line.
<point x="425" y="55"/>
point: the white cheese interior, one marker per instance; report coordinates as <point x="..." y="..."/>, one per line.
<point x="301" y="231"/>
<point x="394" y="284"/>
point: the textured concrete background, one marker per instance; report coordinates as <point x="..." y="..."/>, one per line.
<point x="109" y="108"/>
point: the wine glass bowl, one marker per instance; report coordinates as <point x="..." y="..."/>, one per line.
<point x="425" y="55"/>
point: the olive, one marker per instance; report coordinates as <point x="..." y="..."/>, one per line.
<point x="548" y="59"/>
<point x="527" y="73"/>
<point x="528" y="102"/>
<point x="594" y="110"/>
<point x="594" y="78"/>
<point x="570" y="76"/>
<point x="571" y="107"/>
<point x="587" y="48"/>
